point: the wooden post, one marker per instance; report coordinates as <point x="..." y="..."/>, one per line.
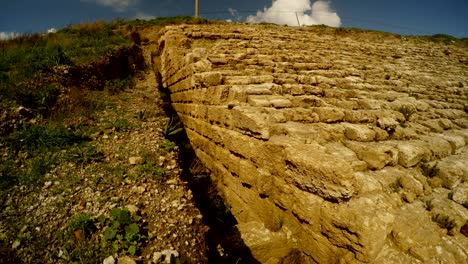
<point x="196" y="8"/>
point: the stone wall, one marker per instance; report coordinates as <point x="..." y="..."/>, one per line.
<point x="329" y="145"/>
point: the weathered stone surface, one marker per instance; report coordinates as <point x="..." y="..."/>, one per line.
<point x="334" y="150"/>
<point x="310" y="168"/>
<point x="411" y="153"/>
<point x="261" y="240"/>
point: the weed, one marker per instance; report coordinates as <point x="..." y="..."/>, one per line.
<point x="82" y="226"/>
<point x="444" y="222"/>
<point x="8" y="173"/>
<point x="36" y="168"/>
<point x="149" y="169"/>
<point x="396" y="185"/>
<point x="117" y="85"/>
<point x="121" y="125"/>
<point x="40" y="138"/>
<point x="141" y="115"/>
<point x="407" y="111"/>
<point x="40" y="99"/>
<point x="279" y="222"/>
<point x="83" y="154"/>
<point x="168" y="145"/>
<point x="429" y="205"/>
<point x="173" y="127"/>
<point x="429" y="170"/>
<point x="123" y="232"/>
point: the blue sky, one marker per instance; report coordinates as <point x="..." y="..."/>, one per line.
<point x="407" y="17"/>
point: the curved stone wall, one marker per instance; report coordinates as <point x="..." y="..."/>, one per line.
<point x="329" y="145"/>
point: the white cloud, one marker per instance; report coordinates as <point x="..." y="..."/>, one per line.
<point x="51" y="30"/>
<point x="117" y="5"/>
<point x="284" y="12"/>
<point x="234" y="14"/>
<point x="9" y="35"/>
<point x="143" y="16"/>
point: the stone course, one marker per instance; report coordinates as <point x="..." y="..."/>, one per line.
<point x="345" y="146"/>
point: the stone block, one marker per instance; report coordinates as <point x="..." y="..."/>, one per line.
<point x="331" y="181"/>
<point x="359" y="132"/>
<point x="412" y="152"/>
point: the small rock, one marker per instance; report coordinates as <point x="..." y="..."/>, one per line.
<point x="47" y="184"/>
<point x="140" y="189"/>
<point x="132" y="209"/>
<point x="15" y="244"/>
<point x="136" y="160"/>
<point x="168" y="253"/>
<point x="105" y="136"/>
<point x="157" y="257"/>
<point x="408" y="197"/>
<point x="172" y="181"/>
<point x="109" y="260"/>
<point x="126" y="260"/>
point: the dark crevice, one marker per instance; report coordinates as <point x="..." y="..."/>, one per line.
<point x="216" y="214"/>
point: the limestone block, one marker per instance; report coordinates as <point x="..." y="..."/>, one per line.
<point x="266" y="246"/>
<point x="446" y="213"/>
<point x="438" y="145"/>
<point x="259" y="101"/>
<point x="451" y="173"/>
<point x="337" y="149"/>
<point x="280" y="102"/>
<point x="412" y="152"/>
<point x="250" y="122"/>
<point x="359" y="132"/>
<point x="456" y="142"/>
<point x="310" y="169"/>
<point x="359" y="116"/>
<point x="460" y="194"/>
<point x="329" y="115"/>
<point x="414" y="232"/>
<point x="387" y="123"/>
<point x="208" y="79"/>
<point x="375" y="155"/>
<point x="361" y="225"/>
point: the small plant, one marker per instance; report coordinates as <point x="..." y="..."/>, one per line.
<point x="83" y="154"/>
<point x="117" y="85"/>
<point x="141" y="115"/>
<point x="429" y="170"/>
<point x="407" y="111"/>
<point x="36" y="138"/>
<point x="168" y="145"/>
<point x="429" y="205"/>
<point x="173" y="127"/>
<point x="82" y="226"/>
<point x="123" y="231"/>
<point x="150" y="169"/>
<point x="279" y="222"/>
<point x="121" y="125"/>
<point x="396" y="185"/>
<point x="445" y="221"/>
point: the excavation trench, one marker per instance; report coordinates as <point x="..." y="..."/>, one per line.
<point x="225" y="244"/>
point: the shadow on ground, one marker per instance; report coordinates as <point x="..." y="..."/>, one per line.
<point x="223" y="238"/>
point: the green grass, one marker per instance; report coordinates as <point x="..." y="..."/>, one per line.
<point x="35" y="149"/>
<point x="42" y="138"/>
<point x="407" y="111"/>
<point x="164" y="21"/>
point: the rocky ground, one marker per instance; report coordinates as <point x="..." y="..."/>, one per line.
<point x="139" y="171"/>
